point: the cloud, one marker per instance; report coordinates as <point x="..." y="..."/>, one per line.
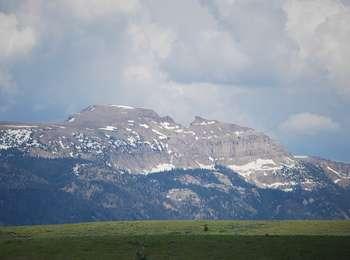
<point x="198" y="60"/>
<point x="308" y="124"/>
<point x="151" y="38"/>
<point x="144" y="81"/>
<point x="258" y="28"/>
<point x="186" y="48"/>
<point x="90" y="10"/>
<point x="321" y="30"/>
<point x="289" y="43"/>
<point x="16" y="41"/>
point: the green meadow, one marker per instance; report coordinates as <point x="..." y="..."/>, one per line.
<point x="179" y="240"/>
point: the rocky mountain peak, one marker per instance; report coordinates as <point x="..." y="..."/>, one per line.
<point x="140" y="141"/>
<point x="100" y="115"/>
<point x="202" y="121"/>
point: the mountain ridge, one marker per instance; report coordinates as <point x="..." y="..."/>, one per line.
<point x="115" y="130"/>
<point x="107" y="149"/>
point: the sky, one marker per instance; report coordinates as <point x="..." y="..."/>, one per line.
<point x="279" y="66"/>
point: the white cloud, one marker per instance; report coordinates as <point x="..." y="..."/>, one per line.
<point x="308" y="124"/>
<point x="144" y="83"/>
<point x="335" y="50"/>
<point x="289" y="43"/>
<point x="321" y="30"/>
<point x="209" y="55"/>
<point x="90" y="10"/>
<point x="15" y="40"/>
<point x="258" y="28"/>
<point x="191" y="47"/>
<point x="151" y="37"/>
<point x="304" y="17"/>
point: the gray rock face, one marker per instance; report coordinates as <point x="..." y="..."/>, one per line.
<point x="139" y="141"/>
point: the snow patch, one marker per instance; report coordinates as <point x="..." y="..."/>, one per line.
<point x="14" y="138"/>
<point x="109" y="128"/>
<point x="132" y="141"/>
<point x="340" y="175"/>
<point x="161" y="168"/>
<point x="285" y="186"/>
<point x="122" y="107"/>
<point x="62" y="145"/>
<point x="189" y="132"/>
<point x="238" y="133"/>
<point x="334" y="171"/>
<point x="300" y="156"/>
<point x="4" y="147"/>
<point x="206" y="166"/>
<point x="168" y="126"/>
<point x="160" y="135"/>
<point x="258" y="165"/>
<point x="206" y="123"/>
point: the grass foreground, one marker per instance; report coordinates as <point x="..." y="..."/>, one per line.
<point x="179" y="240"/>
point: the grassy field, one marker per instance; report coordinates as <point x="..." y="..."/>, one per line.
<point x="179" y="240"/>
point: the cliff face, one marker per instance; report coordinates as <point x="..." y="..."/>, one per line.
<point x="140" y="141"/>
<point x="116" y="144"/>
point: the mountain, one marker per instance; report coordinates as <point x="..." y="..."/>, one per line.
<point x="120" y="162"/>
